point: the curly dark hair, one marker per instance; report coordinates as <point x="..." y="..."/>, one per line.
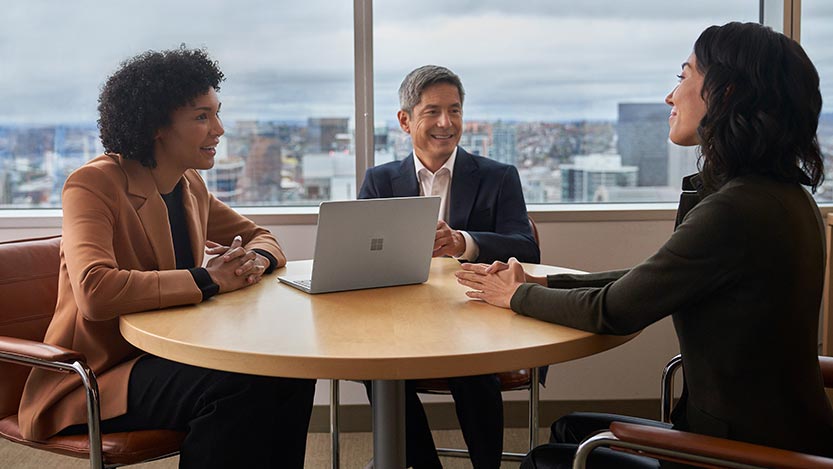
<point x="762" y="106"/>
<point x="140" y="97"/>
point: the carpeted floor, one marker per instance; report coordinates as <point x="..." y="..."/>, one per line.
<point x="356" y="449"/>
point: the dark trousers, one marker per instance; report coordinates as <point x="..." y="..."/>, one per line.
<point x="231" y="419"/>
<point x="479" y="407"/>
<point x="570" y="430"/>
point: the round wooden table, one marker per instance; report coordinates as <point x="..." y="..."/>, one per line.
<point x="387" y="335"/>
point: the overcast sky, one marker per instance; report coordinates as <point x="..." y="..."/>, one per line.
<point x="525" y="59"/>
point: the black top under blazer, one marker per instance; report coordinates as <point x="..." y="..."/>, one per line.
<point x="486" y="201"/>
<point x="742" y="277"/>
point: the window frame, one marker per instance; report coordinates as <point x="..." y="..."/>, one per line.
<point x="789" y="23"/>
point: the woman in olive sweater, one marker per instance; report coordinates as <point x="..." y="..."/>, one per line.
<point x="741" y="275"/>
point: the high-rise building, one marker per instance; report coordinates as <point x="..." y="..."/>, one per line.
<point x="328" y="176"/>
<point x="682" y="161"/>
<point x="223" y="180"/>
<point x="588" y="178"/>
<point x="264" y="165"/>
<point x="477" y="138"/>
<point x="540" y="184"/>
<point x="504" y="143"/>
<point x="400" y="142"/>
<point x="642" y="130"/>
<point x="380" y="138"/>
<point x="326" y="133"/>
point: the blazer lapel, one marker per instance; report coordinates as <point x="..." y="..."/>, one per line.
<point x="405" y="184"/>
<point x="152" y="212"/>
<point x="464" y="185"/>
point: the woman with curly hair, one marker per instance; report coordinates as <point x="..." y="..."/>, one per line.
<point x="742" y="273"/>
<point x="137" y="222"/>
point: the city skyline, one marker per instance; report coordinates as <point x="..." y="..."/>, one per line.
<point x="277" y="163"/>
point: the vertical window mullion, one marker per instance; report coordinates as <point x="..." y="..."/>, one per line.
<point x="363" y="72"/>
<point x="792" y="19"/>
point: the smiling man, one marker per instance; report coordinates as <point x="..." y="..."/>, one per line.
<point x="482" y="218"/>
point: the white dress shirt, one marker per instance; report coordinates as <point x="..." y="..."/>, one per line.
<point x="439" y="183"/>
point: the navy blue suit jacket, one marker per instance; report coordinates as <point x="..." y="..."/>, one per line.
<point x="486" y="201"/>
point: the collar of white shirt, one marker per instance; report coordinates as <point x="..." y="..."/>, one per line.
<point x="449" y="163"/>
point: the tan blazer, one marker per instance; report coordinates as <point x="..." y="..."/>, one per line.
<point x="117" y="257"/>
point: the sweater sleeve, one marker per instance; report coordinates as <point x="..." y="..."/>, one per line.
<point x="698" y="259"/>
<point x="597" y="279"/>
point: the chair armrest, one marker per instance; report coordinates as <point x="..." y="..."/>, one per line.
<point x="56" y="358"/>
<point x="667" y="392"/>
<point x="25" y="351"/>
<point x="718" y="448"/>
<point x="826" y="364"/>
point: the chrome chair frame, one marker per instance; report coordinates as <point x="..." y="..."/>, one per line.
<point x="90" y="386"/>
<point x="608" y="439"/>
<point x="33" y="353"/>
<point x="667" y="391"/>
<point x="90" y="383"/>
<point x="683" y="453"/>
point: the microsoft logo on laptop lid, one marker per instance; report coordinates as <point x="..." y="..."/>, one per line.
<point x="376" y="244"/>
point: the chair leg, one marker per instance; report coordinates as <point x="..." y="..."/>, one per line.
<point x="93" y="413"/>
<point x="334" y="421"/>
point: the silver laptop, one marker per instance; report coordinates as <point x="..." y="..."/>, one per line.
<point x="371" y="243"/>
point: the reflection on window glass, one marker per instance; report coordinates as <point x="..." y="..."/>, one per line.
<point x="287" y="98"/>
<point x="572" y="93"/>
<point x="816" y="37"/>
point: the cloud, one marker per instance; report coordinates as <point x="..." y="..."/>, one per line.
<point x="409" y="10"/>
<point x="532" y="59"/>
<point x="540" y="67"/>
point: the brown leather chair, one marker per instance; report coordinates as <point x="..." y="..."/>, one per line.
<point x="28" y="294"/>
<point x="509" y="381"/>
<point x="699" y="450"/>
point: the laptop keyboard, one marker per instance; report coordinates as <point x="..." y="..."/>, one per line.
<point x="304" y="283"/>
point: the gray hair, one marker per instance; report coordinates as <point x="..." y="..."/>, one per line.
<point x="410" y="91"/>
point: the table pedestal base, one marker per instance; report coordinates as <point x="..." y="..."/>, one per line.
<point x="388" y="424"/>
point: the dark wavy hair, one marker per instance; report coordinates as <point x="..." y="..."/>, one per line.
<point x="140" y="97"/>
<point x="762" y="106"/>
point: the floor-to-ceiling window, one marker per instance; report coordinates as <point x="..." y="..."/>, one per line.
<point x="287" y="98"/>
<point x="570" y="92"/>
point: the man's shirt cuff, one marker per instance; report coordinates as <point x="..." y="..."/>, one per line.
<point x="472" y="249"/>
